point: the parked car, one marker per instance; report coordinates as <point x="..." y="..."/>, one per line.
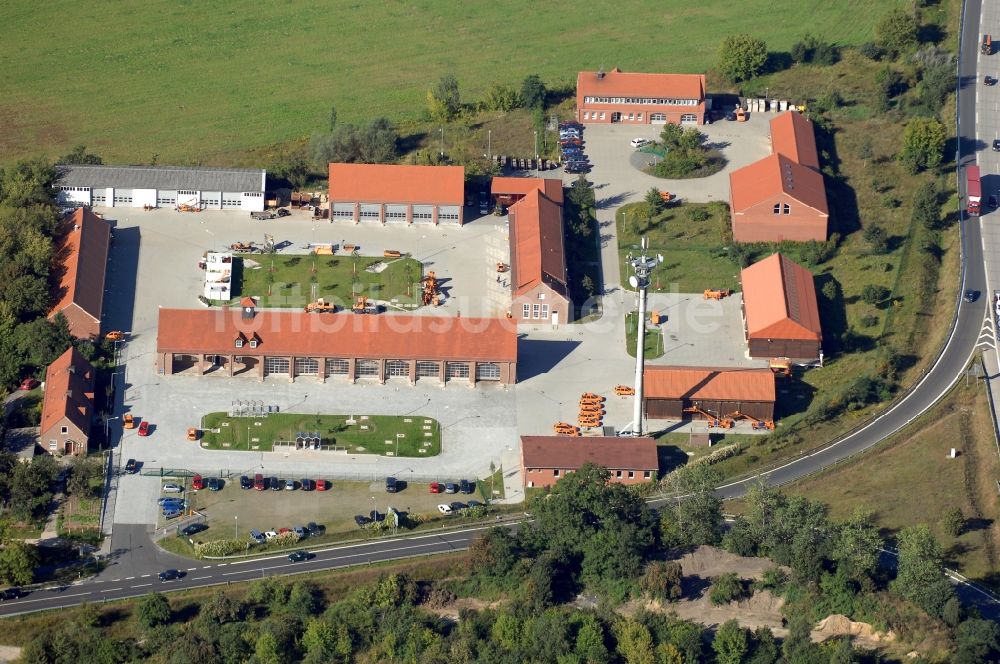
<point x="170" y="574"/>
<point x="992" y="202"/>
<point x="300" y="556"/>
<point x="996" y="144"/>
<point x="639" y="142"/>
<point x="283" y="212"/>
<point x="213" y="484"/>
<point x="450" y="487"/>
<point x="475" y="503"/>
<point x="144" y="428"/>
<point x="276" y="484"/>
<point x="172" y="488"/>
<point x="258" y="482"/>
<point x="168" y="502"/>
<point x="171" y="514"/>
<point x="307" y="484"/>
<point x="131" y="467"/>
<point x="289" y="485"/>
<point x="245" y="483"/>
<point x="283" y="530"/>
<point x="300" y="531"/>
<point x="435" y="487"/>
<point x="197" y="483"/>
<point x="193" y="529"/>
<point x="484" y="204"/>
<point x="989" y="80"/>
<point x="257" y="536"/>
<point x="323" y="485"/>
<point x="577" y="167"/>
<point x="361" y="520"/>
<point x="315" y="529"/>
<point x="270" y="534"/>
<point x="390" y="485"/>
<point x="444" y="509"/>
<point x="465" y="486"/>
<point x="457" y="506"/>
<point x="28" y="384"/>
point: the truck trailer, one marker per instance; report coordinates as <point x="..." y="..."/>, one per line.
<point x="986" y="48"/>
<point x="973" y="190"/>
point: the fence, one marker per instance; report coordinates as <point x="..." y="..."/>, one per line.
<point x="344" y="476"/>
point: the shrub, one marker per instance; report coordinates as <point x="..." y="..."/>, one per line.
<point x="725" y="589"/>
<point x="698" y="214"/>
<point x="870" y="50"/>
<point x="218" y="548"/>
<point x="662" y="580"/>
<point x="869" y="321"/>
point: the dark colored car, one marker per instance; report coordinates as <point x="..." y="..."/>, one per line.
<point x="245" y="482"/>
<point x="475" y="503"/>
<point x="971" y="295"/>
<point x="10" y="593"/>
<point x="197" y="483"/>
<point x="282" y="212"/>
<point x="465" y="486"/>
<point x="193" y="529"/>
<point x="376" y="516"/>
<point x="361" y="520"/>
<point x="577" y="167"/>
<point x="996" y="145"/>
<point x="276" y="484"/>
<point x="170" y="574"/>
<point x="390" y="485"/>
<point x="131" y="467"/>
<point x="315" y="529"/>
<point x="307" y="484"/>
<point x="172" y="503"/>
<point x="450" y="487"/>
<point x="457" y="506"/>
<point x="258" y="482"/>
<point x="28" y="384"/>
<point x="299" y="556"/>
<point x="989" y="80"/>
<point x="213" y="484"/>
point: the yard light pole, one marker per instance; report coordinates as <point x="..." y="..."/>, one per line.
<point x="536" y="152"/>
<point x="106" y="420"/>
<point x="237" y="526"/>
<point x="643" y="266"/>
<point x="442" y="141"/>
<point x="489" y="144"/>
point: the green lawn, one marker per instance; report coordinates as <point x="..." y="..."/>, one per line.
<point x="187" y="87"/>
<point x="368" y="435"/>
<point x="652" y="341"/>
<point x="336" y="278"/>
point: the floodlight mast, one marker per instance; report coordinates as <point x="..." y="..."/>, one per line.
<point x="643" y="267"/>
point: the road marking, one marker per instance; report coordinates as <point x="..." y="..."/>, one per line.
<point x="127" y="578"/>
<point x="110" y="590"/>
<point x="142" y="585"/>
<point x="200" y="578"/>
<point x="48" y="599"/>
<point x="191" y="569"/>
<point x="146" y="575"/>
<point x="205" y="567"/>
<point x="222" y="564"/>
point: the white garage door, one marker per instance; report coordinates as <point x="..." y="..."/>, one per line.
<point x="371" y="213"/>
<point x="427" y="369"/>
<point x="123" y="197"/>
<point x="448" y="214"/>
<point x="276" y="365"/>
<point x="689" y="118"/>
<point x="306" y="366"/>
<point x="395" y="214"/>
<point x="232" y="200"/>
<point x="658" y="118"/>
<point x="487" y="371"/>
<point x="423" y="214"/>
<point x="337" y="367"/>
<point x="343" y="211"/>
<point x="366" y="368"/>
<point x="211" y="199"/>
<point x="166" y="197"/>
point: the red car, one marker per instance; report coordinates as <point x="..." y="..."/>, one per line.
<point x="28" y="384"/>
<point x="144" y="428"/>
<point x="282" y="531"/>
<point x="258" y="482"/>
<point x="196" y="482"/>
<point x="322" y="485"/>
<point x="435" y="487"/>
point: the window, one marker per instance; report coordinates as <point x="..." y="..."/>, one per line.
<point x="777" y="208"/>
<point x="306" y="366"/>
<point x="639" y="117"/>
<point x="397" y="368"/>
<point x="276" y="365"/>
<point x="555" y="473"/>
<point x="253" y="343"/>
<point x="631" y="474"/>
<point x="631" y="116"/>
<point x="647" y="474"/>
<point x="787" y="209"/>
<point x="618" y="473"/>
<point x="53" y="445"/>
<point x="427" y="369"/>
<point x="545" y="312"/>
<point x="337" y="366"/>
<point x="536" y="310"/>
<point x="602" y="115"/>
<point x="239" y="343"/>
<point x="586" y="115"/>
<point x="367" y="368"/>
<point x="64" y="430"/>
<point x="456" y="370"/>
<point x="487" y="371"/>
<point x="526" y="311"/>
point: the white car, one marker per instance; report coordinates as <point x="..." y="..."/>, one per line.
<point x="639" y="142"/>
<point x="172" y="488"/>
<point x="270" y="534"/>
<point x="444" y="509"/>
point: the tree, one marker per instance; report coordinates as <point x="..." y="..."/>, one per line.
<point x="978" y="641"/>
<point x="662" y="580"/>
<point x="319" y="640"/>
<point x="953" y="522"/>
<point x="28" y="183"/>
<point x="667" y="653"/>
<point x="896" y="31"/>
<point x="152" y="610"/>
<point x="533" y="91"/>
<point x="730" y="643"/>
<point x="18" y="562"/>
<point x="726" y="588"/>
<point x="500" y="97"/>
<point x="79" y="155"/>
<point x="443" y="102"/>
<point x="671" y="135"/>
<point x="696" y="518"/>
<point x="590" y="641"/>
<point x="266" y="650"/>
<point x="223" y="609"/>
<point x="635" y="643"/>
<point x="333" y="118"/>
<point x="875" y="236"/>
<point x="919" y="578"/>
<point x="856" y="544"/>
<point x="765" y="647"/>
<point x="830" y="290"/>
<point x="655" y="200"/>
<point x="587" y="284"/>
<point x="923" y="144"/>
<point x="494" y="553"/>
<point x="798" y="648"/>
<point x="873" y="294"/>
<point x="926" y="210"/>
<point x="741" y="57"/>
<point x="507" y="631"/>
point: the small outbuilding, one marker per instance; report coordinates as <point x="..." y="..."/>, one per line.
<point x="547" y="459"/>
<point x="780" y="311"/>
<point x="672" y="393"/>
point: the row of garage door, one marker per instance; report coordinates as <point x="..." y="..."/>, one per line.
<point x="166" y="198"/>
<point x="396" y="214"/>
<point x="310" y="366"/>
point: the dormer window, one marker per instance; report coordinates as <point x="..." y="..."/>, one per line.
<point x="239" y="343"/>
<point x="240" y="340"/>
<point x="253" y="343"/>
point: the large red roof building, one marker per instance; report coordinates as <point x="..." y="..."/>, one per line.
<point x="397" y="194"/>
<point x="668" y="392"/>
<point x="81" y="259"/>
<point x="234" y="342"/>
<point x="782" y="196"/>
<point x="780" y="311"/>
<point x="547" y="459"/>
<point x="635" y="98"/>
<point x="540" y="293"/>
<point x="68" y="404"/>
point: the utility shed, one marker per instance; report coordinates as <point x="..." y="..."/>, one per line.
<point x="780" y="311"/>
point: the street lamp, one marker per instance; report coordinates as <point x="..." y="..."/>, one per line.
<point x="375" y="513"/>
<point x="237" y="526"/>
<point x="643" y="266"/>
<point x="106" y="420"/>
<point x="442" y="141"/>
<point x="536" y="152"/>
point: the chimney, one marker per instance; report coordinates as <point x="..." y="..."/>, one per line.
<point x="69" y="394"/>
<point x="76" y="227"/>
<point x="600" y="73"/>
<point x="71" y="369"/>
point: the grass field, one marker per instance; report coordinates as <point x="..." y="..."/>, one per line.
<point x="218" y="85"/>
<point x="652" y="341"/>
<point x="370" y="434"/>
<point x="336" y="278"/>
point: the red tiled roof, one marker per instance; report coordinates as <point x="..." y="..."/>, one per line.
<point x="710" y="384"/>
<point x="82" y="257"/>
<point x="536" y="243"/>
<point x="792" y="135"/>
<point x="571" y="453"/>
<point x="247" y="301"/>
<point x="617" y="83"/>
<point x="551" y="187"/>
<point x="389" y="336"/>
<point x="395" y="183"/>
<point x="777" y="174"/>
<point x="779" y="298"/>
<point x="69" y="391"/>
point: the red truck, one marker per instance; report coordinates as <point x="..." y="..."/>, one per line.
<point x="973" y="190"/>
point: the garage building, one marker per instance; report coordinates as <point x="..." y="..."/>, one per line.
<point x="246" y="342"/>
<point x="782" y="196"/>
<point x="397" y="194"/>
<point x="68" y="405"/>
<point x="540" y="293"/>
<point x="81" y="260"/>
<point x="161" y="186"/>
<point x="547" y="459"/>
<point x="780" y="311"/>
<point x="669" y="391"/>
<point x="634" y="98"/>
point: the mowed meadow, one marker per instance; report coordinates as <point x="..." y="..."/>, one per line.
<point x="188" y="82"/>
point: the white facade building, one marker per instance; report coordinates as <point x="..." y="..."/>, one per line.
<point x="218" y="276"/>
<point x="161" y="186"/>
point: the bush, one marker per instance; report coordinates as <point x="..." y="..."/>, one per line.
<point x="725" y="589"/>
<point x="662" y="580"/>
<point x="870" y="50"/>
<point x="697" y="214"/>
<point x="869" y="321"/>
<point x="219" y="548"/>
